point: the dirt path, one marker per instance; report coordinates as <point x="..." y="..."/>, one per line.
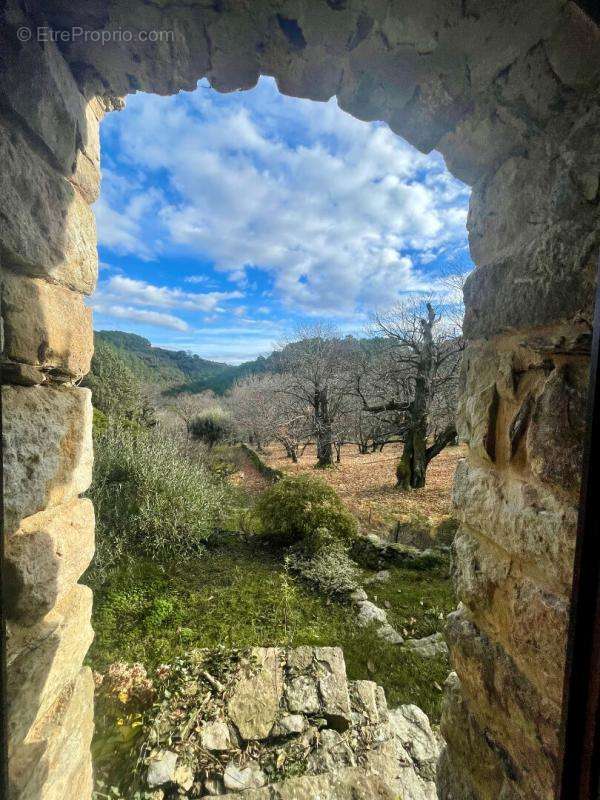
<point x="248" y="476"/>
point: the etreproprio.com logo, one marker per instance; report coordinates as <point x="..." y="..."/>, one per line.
<point x="44" y="33"/>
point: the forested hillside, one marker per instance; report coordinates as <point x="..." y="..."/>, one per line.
<point x="176" y="370"/>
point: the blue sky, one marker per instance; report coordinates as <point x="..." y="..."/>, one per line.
<point x="225" y="221"/>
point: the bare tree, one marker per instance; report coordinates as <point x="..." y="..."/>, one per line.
<point x="315" y="376"/>
<point x="187" y="406"/>
<point x="264" y="413"/>
<point x="410" y="378"/>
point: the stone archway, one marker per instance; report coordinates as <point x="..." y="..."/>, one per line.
<point x="508" y="93"/>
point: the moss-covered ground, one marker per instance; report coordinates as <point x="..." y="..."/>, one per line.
<point x="240" y="595"/>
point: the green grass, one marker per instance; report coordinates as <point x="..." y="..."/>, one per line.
<point x="419" y="600"/>
<point x="242" y="596"/>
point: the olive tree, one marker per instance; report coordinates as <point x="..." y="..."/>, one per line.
<point x="409" y="377"/>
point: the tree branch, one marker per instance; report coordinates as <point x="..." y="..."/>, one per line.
<point x="442" y="439"/>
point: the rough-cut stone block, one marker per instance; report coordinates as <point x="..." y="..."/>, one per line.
<point x="42" y="659"/>
<point x="555" y="275"/>
<point x="363" y="700"/>
<point x="47" y="438"/>
<point x="501" y="221"/>
<point x="478" y="402"/>
<point x="412" y="727"/>
<point x="86" y="172"/>
<point x="254" y="705"/>
<point x="162" y="768"/>
<point x="46" y="228"/>
<point x="46" y="325"/>
<point x="480" y="142"/>
<point x="530" y="622"/>
<point x="177" y="61"/>
<point x="468" y="769"/>
<point x="216" y="736"/>
<point x="55" y="762"/>
<point x="333" y="688"/>
<point x="46" y="556"/>
<point x="533" y="224"/>
<point x="21" y="374"/>
<point x="526" y="520"/>
<point x="40" y="90"/>
<point x="301" y="695"/>
<point x="300" y="660"/>
<point x="522" y="723"/>
<point x="345" y="784"/>
<point x="557" y="428"/>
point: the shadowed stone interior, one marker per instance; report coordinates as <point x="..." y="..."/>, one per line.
<point x="507" y="92"/>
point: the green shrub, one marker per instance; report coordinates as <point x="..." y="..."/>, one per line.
<point x="99" y="421"/>
<point x="116" y="392"/>
<point x="212" y="426"/>
<point x="331" y="570"/>
<point x="304" y="509"/>
<point x="149" y="499"/>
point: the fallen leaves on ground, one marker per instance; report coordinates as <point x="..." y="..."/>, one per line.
<point x="366" y="484"/>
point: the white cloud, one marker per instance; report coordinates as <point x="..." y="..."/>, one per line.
<point x="335" y="210"/>
<point x="119" y="288"/>
<point x="155" y="318"/>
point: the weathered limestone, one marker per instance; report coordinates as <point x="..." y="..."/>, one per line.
<point x="47" y="448"/>
<point x="42" y="659"/>
<point x="39" y="87"/>
<point x="348" y="745"/>
<point x="50" y="149"/>
<point x="46" y="556"/>
<point x="527" y="521"/>
<point x="55" y="767"/>
<point x="468" y="768"/>
<point x="521" y="721"/>
<point x="530" y="621"/>
<point x="47" y="326"/>
<point x="254" y="705"/>
<point x="47" y="229"/>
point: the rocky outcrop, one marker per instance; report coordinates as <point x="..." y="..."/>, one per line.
<point x="287" y="724"/>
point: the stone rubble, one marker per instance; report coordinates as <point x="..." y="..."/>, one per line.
<point x="369" y="613"/>
<point x="327" y="737"/>
<point x="429" y="646"/>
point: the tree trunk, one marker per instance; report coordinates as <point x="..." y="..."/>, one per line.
<point x="291" y="453"/>
<point x="323" y="430"/>
<point x="410" y="472"/>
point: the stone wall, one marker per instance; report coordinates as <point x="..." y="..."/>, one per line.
<point x="50" y="151"/>
<point x="534" y="234"/>
<point x="507" y="92"/>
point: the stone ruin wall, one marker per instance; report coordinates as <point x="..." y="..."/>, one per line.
<point x="510" y="100"/>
